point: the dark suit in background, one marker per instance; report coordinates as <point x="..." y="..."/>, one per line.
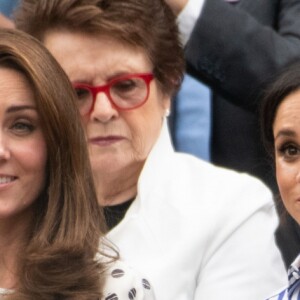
<point x="235" y="49"/>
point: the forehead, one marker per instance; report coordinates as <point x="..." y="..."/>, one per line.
<point x="91" y="55"/>
<point x="14" y="86"/>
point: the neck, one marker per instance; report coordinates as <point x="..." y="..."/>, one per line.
<point x="118" y="187"/>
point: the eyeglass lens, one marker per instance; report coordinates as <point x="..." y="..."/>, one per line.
<point x="124" y="93"/>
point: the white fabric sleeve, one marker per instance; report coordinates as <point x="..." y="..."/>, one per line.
<point x="188" y="17"/>
<point x="245" y="253"/>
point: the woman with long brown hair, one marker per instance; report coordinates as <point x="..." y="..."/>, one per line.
<point x="50" y="223"/>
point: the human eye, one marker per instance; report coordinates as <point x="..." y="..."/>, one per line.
<point x="22" y="127"/>
<point x="289" y="151"/>
<point x="82" y="93"/>
<point x="125" y="85"/>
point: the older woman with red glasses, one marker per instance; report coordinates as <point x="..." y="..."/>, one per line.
<point x="196" y="231"/>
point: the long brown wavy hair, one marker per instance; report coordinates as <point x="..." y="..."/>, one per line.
<point x="58" y="259"/>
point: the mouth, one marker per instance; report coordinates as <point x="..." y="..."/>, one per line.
<point x="7" y="179"/>
<point x="105" y="140"/>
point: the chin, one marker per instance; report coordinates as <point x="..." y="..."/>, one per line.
<point x="106" y="166"/>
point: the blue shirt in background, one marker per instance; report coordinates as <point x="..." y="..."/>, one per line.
<point x="193" y="116"/>
<point x="7" y="6"/>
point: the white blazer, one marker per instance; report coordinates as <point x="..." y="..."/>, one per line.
<point x="200" y="232"/>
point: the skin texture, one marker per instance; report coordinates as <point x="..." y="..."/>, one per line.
<point x="286" y="129"/>
<point x="23" y="157"/>
<point x="22" y="146"/>
<point x="176" y="5"/>
<point x="119" y="141"/>
<point x="6" y="22"/>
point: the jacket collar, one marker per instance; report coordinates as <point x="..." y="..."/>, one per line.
<point x="158" y="161"/>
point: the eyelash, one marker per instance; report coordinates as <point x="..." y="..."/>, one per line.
<point x="22" y="127"/>
<point x="284" y="148"/>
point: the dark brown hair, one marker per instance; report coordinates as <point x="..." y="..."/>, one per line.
<point x="58" y="259"/>
<point x="149" y="24"/>
<point x="284" y="84"/>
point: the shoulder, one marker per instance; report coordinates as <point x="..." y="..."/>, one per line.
<point x="221" y="193"/>
<point x="123" y="282"/>
<point x="200" y="173"/>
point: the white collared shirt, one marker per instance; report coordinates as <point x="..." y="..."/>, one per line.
<point x="187" y="18"/>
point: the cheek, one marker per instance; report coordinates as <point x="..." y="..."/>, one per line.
<point x="288" y="184"/>
<point x="144" y="131"/>
<point x="85" y="121"/>
<point x="35" y="158"/>
<point x="284" y="178"/>
<point x="140" y="140"/>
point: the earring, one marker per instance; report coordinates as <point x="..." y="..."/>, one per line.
<point x="167" y="113"/>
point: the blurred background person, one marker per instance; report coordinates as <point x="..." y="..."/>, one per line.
<point x="185" y="224"/>
<point x="50" y="221"/>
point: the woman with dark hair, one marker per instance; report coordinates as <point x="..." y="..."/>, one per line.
<point x="280" y="122"/>
<point x="50" y="221"/>
<point x="187" y="225"/>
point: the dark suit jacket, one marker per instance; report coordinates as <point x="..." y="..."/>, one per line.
<point x="236" y="49"/>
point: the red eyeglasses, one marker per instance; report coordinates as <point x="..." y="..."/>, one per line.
<point x="125" y="92"/>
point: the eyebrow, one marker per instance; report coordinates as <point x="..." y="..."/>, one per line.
<point x="109" y="77"/>
<point x="285" y="133"/>
<point x="20" y="107"/>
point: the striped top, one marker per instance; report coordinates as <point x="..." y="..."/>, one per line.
<point x="292" y="292"/>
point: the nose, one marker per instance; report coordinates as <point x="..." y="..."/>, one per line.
<point x="4" y="150"/>
<point x="103" y="110"/>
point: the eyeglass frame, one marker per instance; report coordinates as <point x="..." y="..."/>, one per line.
<point x="94" y="90"/>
